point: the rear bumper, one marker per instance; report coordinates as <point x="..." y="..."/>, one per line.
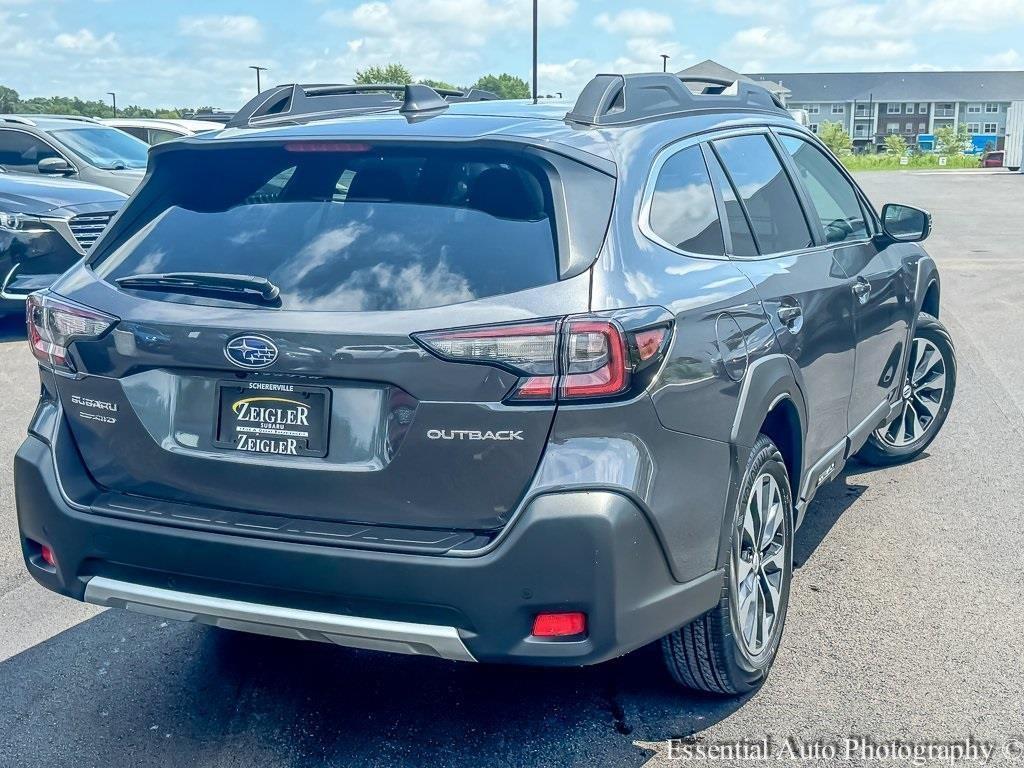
<point x="590" y="551"/>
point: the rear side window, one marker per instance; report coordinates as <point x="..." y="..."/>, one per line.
<point x="356" y="228"/>
<point x="835" y="201"/>
<point x="683" y="209"/>
<point x="768" y="197"/>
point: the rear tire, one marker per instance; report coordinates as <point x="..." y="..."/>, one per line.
<point x="928" y="388"/>
<point x="730" y="649"/>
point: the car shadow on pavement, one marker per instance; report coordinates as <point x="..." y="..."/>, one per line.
<point x="125" y="689"/>
<point x="12" y="326"/>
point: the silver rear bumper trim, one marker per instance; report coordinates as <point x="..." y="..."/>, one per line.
<point x="351" y="631"/>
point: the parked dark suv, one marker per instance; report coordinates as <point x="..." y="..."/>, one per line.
<point x="46" y="225"/>
<point x="483" y="381"/>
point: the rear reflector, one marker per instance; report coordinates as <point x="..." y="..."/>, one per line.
<point x="559" y="624"/>
<point x="47" y="555"/>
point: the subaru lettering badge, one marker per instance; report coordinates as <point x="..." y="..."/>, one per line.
<point x="251" y="351"/>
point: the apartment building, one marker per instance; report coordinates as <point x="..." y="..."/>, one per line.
<point x="873" y="105"/>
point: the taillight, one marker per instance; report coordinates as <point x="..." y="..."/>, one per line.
<point x="595" y="360"/>
<point x="575" y="358"/>
<point x="53" y="324"/>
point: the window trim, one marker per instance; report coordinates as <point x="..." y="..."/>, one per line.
<point x="771" y="133"/>
<point x="893" y="109"/>
<point x="45" y="140"/>
<point x="985" y="131"/>
<point x="871" y="218"/>
<point x="813" y="227"/>
<point x="997" y="109"/>
<point x="650" y="187"/>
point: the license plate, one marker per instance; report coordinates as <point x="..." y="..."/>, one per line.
<point x="275" y="419"/>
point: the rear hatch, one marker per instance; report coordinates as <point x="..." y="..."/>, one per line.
<point x="303" y="393"/>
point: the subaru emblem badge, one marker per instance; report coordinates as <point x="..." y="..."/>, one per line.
<point x="251" y="351"/>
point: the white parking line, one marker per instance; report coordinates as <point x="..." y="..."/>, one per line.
<point x="30" y="615"/>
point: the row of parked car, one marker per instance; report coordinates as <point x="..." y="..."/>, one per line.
<point x="62" y="179"/>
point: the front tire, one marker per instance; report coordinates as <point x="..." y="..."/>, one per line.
<point x="730" y="649"/>
<point x="927" y="395"/>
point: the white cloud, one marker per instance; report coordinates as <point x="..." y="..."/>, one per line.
<point x="857" y="22"/>
<point x="435" y="38"/>
<point x="1008" y="59"/>
<point x="959" y="15"/>
<point x="246" y="29"/>
<point x="881" y="54"/>
<point x="635" y="22"/>
<point x="748" y="7"/>
<point x="762" y="43"/>
<point x="84" y="41"/>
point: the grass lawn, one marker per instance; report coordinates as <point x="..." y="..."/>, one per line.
<point x="915" y="162"/>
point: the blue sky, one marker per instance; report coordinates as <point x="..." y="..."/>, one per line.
<point x="185" y="53"/>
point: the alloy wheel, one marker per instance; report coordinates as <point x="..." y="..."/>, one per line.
<point x="921" y="396"/>
<point x="758" y="566"/>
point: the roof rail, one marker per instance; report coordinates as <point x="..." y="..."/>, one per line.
<point x="295" y="103"/>
<point x="213" y="116"/>
<point x="30" y="119"/>
<point x="620" y="99"/>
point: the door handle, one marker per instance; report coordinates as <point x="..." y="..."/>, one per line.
<point x="789" y="314"/>
<point x="862" y="290"/>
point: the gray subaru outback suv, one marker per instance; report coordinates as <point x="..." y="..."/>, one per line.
<point x="422" y="373"/>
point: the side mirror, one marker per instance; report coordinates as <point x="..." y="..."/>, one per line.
<point x="54" y="166"/>
<point x="905" y="223"/>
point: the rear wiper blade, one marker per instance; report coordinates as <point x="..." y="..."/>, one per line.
<point x="212" y="282"/>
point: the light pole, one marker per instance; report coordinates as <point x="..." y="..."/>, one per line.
<point x="258" y="70"/>
<point x="535" y="51"/>
<point x="664" y="62"/>
<point x="113" y="98"/>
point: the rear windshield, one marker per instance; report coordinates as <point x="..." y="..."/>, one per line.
<point x="349" y="227"/>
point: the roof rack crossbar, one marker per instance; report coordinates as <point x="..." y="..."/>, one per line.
<point x="298" y="103"/>
<point x="611" y="99"/>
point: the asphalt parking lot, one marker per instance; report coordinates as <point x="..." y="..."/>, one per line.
<point x="905" y="622"/>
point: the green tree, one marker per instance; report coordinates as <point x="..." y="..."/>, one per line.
<point x="9" y="100"/>
<point x="895" y="145"/>
<point x="438" y="84"/>
<point x="390" y="74"/>
<point x="835" y="137"/>
<point x="952" y="141"/>
<point x="505" y="85"/>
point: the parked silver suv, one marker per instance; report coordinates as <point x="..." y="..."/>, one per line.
<point x="78" y="148"/>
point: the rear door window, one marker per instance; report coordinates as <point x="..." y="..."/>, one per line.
<point x="743" y="244"/>
<point x="768" y="197"/>
<point x="356" y="229"/>
<point x="683" y="209"/>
